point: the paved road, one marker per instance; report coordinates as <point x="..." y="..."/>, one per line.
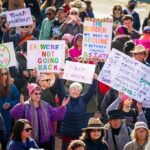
<point x="103" y="8"/>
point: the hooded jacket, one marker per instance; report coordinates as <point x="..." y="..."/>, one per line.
<point x="75" y="52"/>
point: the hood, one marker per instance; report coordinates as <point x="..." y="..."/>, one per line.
<point x="75" y="52"/>
<point x="75" y="40"/>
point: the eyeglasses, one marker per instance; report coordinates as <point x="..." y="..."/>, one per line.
<point x="117" y="8"/>
<point x="3" y="18"/>
<point x="47" y="80"/>
<point x="4" y="74"/>
<point x="95" y="130"/>
<point x="37" y="94"/>
<point x="48" y="14"/>
<point x="74" y="13"/>
<point x="24" y="26"/>
<point x="28" y="129"/>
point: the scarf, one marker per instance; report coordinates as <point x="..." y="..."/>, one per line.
<point x="28" y="37"/>
<point x="35" y="121"/>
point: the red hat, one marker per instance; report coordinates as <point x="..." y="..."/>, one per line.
<point x="125" y="97"/>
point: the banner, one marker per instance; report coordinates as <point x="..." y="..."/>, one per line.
<point x="7" y="55"/>
<point x="127" y="75"/>
<point x="79" y="72"/>
<point x="46" y="56"/>
<point x="19" y="17"/>
<point x="97" y="37"/>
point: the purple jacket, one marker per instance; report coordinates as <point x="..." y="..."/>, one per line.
<point x="21" y="111"/>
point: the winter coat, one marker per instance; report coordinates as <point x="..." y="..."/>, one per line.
<point x="75" y="52"/>
<point x="71" y="29"/>
<point x="75" y="116"/>
<point x="109" y="98"/>
<point x="24" y="111"/>
<point x="16" y="39"/>
<point x="12" y="99"/>
<point x="121" y="139"/>
<point x="19" y="145"/>
<point x="134" y="146"/>
<point x="95" y="145"/>
<point x="45" y="29"/>
<point x="118" y="43"/>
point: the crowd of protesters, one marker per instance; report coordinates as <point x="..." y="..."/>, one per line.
<point x="35" y="108"/>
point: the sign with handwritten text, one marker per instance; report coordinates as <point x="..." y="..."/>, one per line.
<point x="7" y="55"/>
<point x="46" y="55"/>
<point x="19" y="17"/>
<point x="79" y="72"/>
<point x="127" y="75"/>
<point x="97" y="36"/>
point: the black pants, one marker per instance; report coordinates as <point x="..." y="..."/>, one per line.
<point x="48" y="145"/>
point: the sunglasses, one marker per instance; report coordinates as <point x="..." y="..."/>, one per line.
<point x="2" y="18"/>
<point x="47" y="80"/>
<point x="95" y="130"/>
<point x="4" y="74"/>
<point x="117" y="9"/>
<point x="48" y="14"/>
<point x="28" y="129"/>
<point x="24" y="26"/>
<point x="37" y="94"/>
<point x="74" y="13"/>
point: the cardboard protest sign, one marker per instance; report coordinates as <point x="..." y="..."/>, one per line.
<point x="127" y="75"/>
<point x="97" y="36"/>
<point x="145" y="43"/>
<point x="46" y="56"/>
<point x="20" y="17"/>
<point x="7" y="55"/>
<point x="79" y="72"/>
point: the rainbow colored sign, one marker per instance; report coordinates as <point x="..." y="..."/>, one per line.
<point x="7" y="55"/>
<point x="97" y="38"/>
<point x="46" y="56"/>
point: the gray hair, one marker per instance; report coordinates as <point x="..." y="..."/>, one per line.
<point x="76" y="84"/>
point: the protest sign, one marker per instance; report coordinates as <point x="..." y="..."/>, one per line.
<point x="46" y="56"/>
<point x="127" y="75"/>
<point x="97" y="36"/>
<point x="7" y="55"/>
<point x="80" y="72"/>
<point x="19" y="17"/>
<point x="145" y="43"/>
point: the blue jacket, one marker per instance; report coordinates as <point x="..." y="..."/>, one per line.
<point x="12" y="99"/>
<point x="75" y="116"/>
<point x="18" y="145"/>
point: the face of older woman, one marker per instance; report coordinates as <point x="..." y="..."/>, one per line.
<point x="26" y="133"/>
<point x="141" y="134"/>
<point x="36" y="95"/>
<point x="4" y="75"/>
<point x="75" y="91"/>
<point x="24" y="30"/>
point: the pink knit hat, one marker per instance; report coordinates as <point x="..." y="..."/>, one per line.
<point x="125" y="97"/>
<point x="31" y="87"/>
<point x="69" y="37"/>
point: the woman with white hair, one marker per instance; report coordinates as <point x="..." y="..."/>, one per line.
<point x="75" y="116"/>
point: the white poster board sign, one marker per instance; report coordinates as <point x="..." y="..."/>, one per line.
<point x="19" y="17"/>
<point x="79" y="72"/>
<point x="127" y="75"/>
<point x="97" y="37"/>
<point x="7" y="55"/>
<point x="46" y="55"/>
